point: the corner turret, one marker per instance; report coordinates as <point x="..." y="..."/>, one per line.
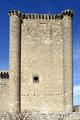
<point x="67" y="60"/>
<point x="67" y="13"/>
<point x="14" y="12"/>
<point x="15" y="39"/>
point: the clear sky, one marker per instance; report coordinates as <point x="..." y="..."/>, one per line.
<point x="42" y="6"/>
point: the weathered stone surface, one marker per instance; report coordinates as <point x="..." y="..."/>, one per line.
<point x="4" y="93"/>
<point x="46" y="52"/>
<point x="34" y="115"/>
<point x="41" y="48"/>
<point x="9" y="116"/>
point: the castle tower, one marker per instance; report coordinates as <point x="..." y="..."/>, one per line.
<point x="67" y="41"/>
<point x="46" y="62"/>
<point x="15" y="38"/>
<point x="41" y="62"/>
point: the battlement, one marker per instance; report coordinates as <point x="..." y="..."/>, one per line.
<point x="67" y="12"/>
<point x="38" y="44"/>
<point x="41" y="16"/>
<point x="4" y="75"/>
<point x="14" y="12"/>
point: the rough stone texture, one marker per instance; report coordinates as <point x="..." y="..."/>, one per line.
<point x="15" y="37"/>
<point x="42" y="55"/>
<point x="40" y="46"/>
<point x="4" y="93"/>
<point x="67" y="43"/>
<point x="9" y="116"/>
<point x="46" y="52"/>
<point x="34" y="115"/>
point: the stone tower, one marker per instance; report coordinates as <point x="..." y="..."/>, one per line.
<point x="40" y="73"/>
<point x="15" y="40"/>
<point x="46" y="62"/>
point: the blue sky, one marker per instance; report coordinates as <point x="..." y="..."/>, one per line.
<point x="42" y="6"/>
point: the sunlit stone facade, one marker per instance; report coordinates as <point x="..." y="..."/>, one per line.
<point x="40" y="71"/>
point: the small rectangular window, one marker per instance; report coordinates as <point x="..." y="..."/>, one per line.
<point x="35" y="78"/>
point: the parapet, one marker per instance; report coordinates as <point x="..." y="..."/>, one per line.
<point x="48" y="16"/>
<point x="67" y="12"/>
<point x="4" y="75"/>
<point x="41" y="16"/>
<point x="14" y="12"/>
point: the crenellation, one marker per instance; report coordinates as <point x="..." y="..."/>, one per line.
<point x="4" y="90"/>
<point x="29" y="16"/>
<point x="33" y="16"/>
<point x="40" y="70"/>
<point x="41" y="16"/>
<point x="37" y="16"/>
<point x="14" y="12"/>
<point x="67" y="12"/>
<point x="14" y="58"/>
<point x="4" y="75"/>
<point x="42" y="38"/>
<point x="44" y="16"/>
<point x="59" y="16"/>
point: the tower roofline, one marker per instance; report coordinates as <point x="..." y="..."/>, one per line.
<point x="68" y="12"/>
<point x="41" y="16"/>
<point x="14" y="12"/>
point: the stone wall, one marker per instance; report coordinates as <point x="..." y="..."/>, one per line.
<point x="4" y="91"/>
<point x="40" y="63"/>
<point x="46" y="53"/>
<point x="14" y="65"/>
<point x="42" y="57"/>
<point x="28" y="115"/>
